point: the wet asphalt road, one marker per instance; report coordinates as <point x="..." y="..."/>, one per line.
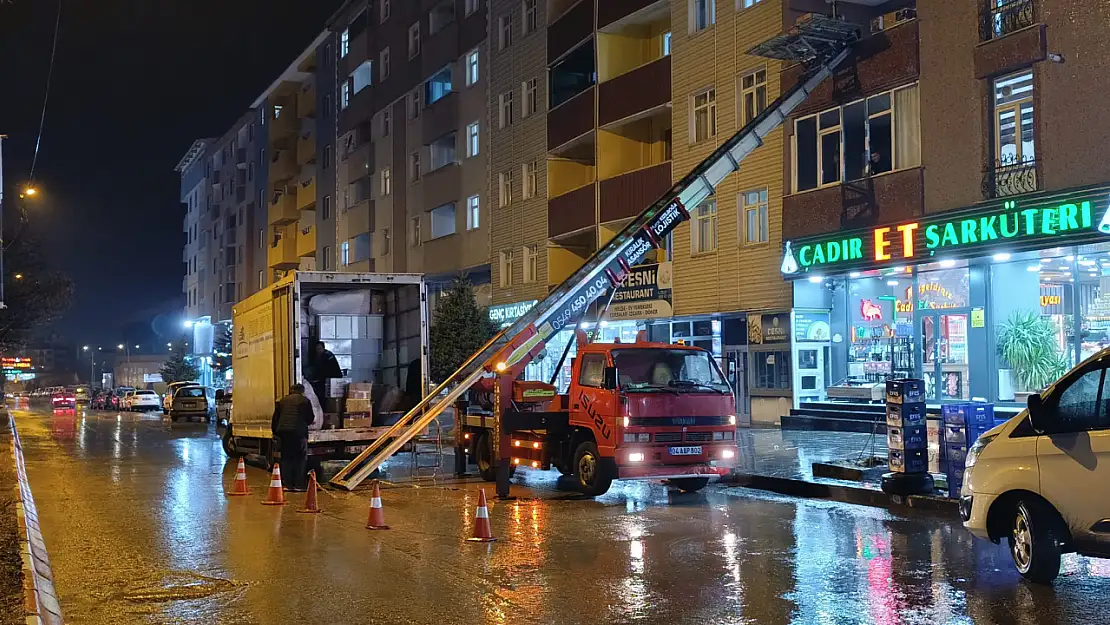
<point x="140" y="531"/>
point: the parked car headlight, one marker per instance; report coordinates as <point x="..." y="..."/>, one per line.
<point x="976" y="449"/>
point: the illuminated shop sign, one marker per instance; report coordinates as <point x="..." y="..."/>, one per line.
<point x="1029" y="223"/>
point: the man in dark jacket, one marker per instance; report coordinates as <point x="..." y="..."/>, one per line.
<point x="292" y="416"/>
<point x="322" y="366"/>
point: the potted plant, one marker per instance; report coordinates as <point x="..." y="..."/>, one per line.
<point x="1027" y="341"/>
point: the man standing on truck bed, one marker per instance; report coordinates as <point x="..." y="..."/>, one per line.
<point x="322" y="367"/>
<point x="292" y="416"/>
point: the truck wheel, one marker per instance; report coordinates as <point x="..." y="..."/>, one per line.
<point x="1035" y="542"/>
<point x="593" y="479"/>
<point x="229" y="445"/>
<point x="483" y="457"/>
<point x="690" y="484"/>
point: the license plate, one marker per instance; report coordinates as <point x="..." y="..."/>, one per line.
<point x="686" y="451"/>
<point x="189" y="405"/>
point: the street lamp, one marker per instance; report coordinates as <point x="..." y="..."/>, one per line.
<point x="29" y="192"/>
<point x="18" y="276"/>
<point x="122" y="346"/>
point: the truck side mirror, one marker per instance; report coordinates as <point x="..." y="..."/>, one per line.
<point x="610" y="380"/>
<point x="1037" y="413"/>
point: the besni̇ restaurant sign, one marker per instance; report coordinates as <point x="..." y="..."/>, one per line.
<point x="645" y="293"/>
<point x="1010" y="225"/>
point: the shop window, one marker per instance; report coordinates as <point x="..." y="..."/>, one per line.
<point x="753" y="212"/>
<point x="770" y="371"/>
<point x="703" y="230"/>
<point x="863" y="138"/>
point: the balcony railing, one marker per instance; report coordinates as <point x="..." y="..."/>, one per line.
<point x="1002" y="17"/>
<point x="1010" y="177"/>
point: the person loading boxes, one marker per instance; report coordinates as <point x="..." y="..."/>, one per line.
<point x="321" y="368"/>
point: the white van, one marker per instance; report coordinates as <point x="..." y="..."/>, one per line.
<point x="1041" y="481"/>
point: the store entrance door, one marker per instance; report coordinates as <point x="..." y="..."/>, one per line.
<point x="737" y="362"/>
<point x="944" y="353"/>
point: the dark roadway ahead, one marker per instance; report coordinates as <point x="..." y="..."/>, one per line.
<point x="140" y="531"/>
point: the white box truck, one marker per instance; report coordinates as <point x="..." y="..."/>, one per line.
<point x="376" y="325"/>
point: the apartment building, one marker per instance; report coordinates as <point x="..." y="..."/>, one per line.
<point x="940" y="195"/>
<point x="412" y="147"/>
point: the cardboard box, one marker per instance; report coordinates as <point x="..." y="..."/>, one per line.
<point x="905" y="391"/>
<point x="902" y="461"/>
<point x="905" y="415"/>
<point x="912" y="437"/>
<point x="357" y="424"/>
<point x="360" y="390"/>
<point x="337" y="387"/>
<point x="359" y="405"/>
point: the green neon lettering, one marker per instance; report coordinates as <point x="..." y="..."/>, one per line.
<point x="834" y="251"/>
<point x="1048" y="220"/>
<point x="818" y="254"/>
<point x="932" y="239"/>
<point x="1086" y="207"/>
<point x="1030" y="215"/>
<point x="987" y="231"/>
<point x="855" y="249"/>
<point x="1067" y="217"/>
<point x="950" y="237"/>
<point x="806" y="262"/>
<point x="1005" y="221"/>
<point x="967" y="231"/>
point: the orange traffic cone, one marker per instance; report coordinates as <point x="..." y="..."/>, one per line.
<point x="482" y="531"/>
<point x="377" y="515"/>
<point x="239" y="486"/>
<point x="275" y="496"/>
<point x="310" y="505"/>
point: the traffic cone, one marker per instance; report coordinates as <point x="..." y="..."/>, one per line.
<point x="482" y="531"/>
<point x="377" y="515"/>
<point x="275" y="497"/>
<point x="239" y="486"/>
<point x="310" y="497"/>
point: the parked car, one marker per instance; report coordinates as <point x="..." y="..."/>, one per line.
<point x="1041" y="481"/>
<point x="223" y="407"/>
<point x="143" y="400"/>
<point x="193" y="402"/>
<point x="167" y="397"/>
<point x="63" y="399"/>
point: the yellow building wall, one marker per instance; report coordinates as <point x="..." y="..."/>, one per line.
<point x="564" y="176"/>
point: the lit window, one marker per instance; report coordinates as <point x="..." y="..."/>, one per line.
<point x="438" y="86"/>
<point x="345" y="253"/>
<point x="705" y="116"/>
<point x="747" y="4"/>
<point x="753" y="94"/>
<point x="506" y="268"/>
<point x="472" y="139"/>
<point x="345" y="94"/>
<point x="667" y="43"/>
<point x="387" y="181"/>
<point x="362" y="77"/>
<point x="505" y="110"/>
<point x="472" y="74"/>
<point x="344" y="43"/>
<point x="753" y="211"/>
<point x="504" y="188"/>
<point x="531" y="92"/>
<point x="703" y="230"/>
<point x="473" y="212"/>
<point x="1013" y="118"/>
<point x="530" y="180"/>
<point x="414" y="40"/>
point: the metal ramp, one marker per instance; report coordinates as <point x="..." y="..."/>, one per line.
<point x="821" y="43"/>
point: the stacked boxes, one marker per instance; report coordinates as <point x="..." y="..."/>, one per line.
<point x="359" y="405"/>
<point x="907" y="441"/>
<point x="963" y="424"/>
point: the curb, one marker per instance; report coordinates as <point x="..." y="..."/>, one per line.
<point x="40" y="600"/>
<point x="845" y="494"/>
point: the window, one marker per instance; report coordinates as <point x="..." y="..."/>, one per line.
<point x="385" y="124"/>
<point x="438" y="86"/>
<point x="261" y="281"/>
<point x="592" y="372"/>
<point x="443" y="220"/>
<point x="667" y="43"/>
<point x="359" y="248"/>
<point x="261" y="239"/>
<point x="414" y="231"/>
<point x="753" y="94"/>
<point x="473" y="212"/>
<point x="327" y="156"/>
<point x="325" y="207"/>
<point x="345" y="94"/>
<point x="414" y="40"/>
<point x="703" y="230"/>
<point x="414" y="166"/>
<point x="530" y="180"/>
<point x="860" y="139"/>
<point x="1013" y="119"/>
<point x="385" y="240"/>
<point x="327" y="258"/>
<point x="325" y="61"/>
<point x="505" y="109"/>
<point x="529" y="19"/>
<point x="1082" y="406"/>
<point x="472" y="140"/>
<point x="705" y="116"/>
<point x="531" y="263"/>
<point x="383" y="66"/>
<point x="469" y="7"/>
<point x="770" y="371"/>
<point x="387" y="181"/>
<point x="703" y="14"/>
<point x="505" y="32"/>
<point x="384" y="10"/>
<point x="753" y="211"/>
<point x="441" y="152"/>
<point x="504" y="188"/>
<point x="345" y="253"/>
<point x="441" y="15"/>
<point x="344" y="42"/>
<point x="362" y="77"/>
<point x="414" y="104"/>
<point x="746" y="4"/>
<point x="531" y="92"/>
<point x="472" y="68"/>
<point x="506" y="269"/>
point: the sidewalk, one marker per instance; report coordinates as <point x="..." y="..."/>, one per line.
<point x="782" y="461"/>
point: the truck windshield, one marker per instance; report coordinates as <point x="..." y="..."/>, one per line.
<point x="657" y="369"/>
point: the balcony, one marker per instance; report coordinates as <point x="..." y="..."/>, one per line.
<point x="609" y="11"/>
<point x="651" y="83"/>
<point x="306" y="193"/>
<point x="282" y="254"/>
<point x="306" y="99"/>
<point x="998" y="20"/>
<point x="571" y="119"/>
<point x="306" y="147"/>
<point x="1010" y="177"/>
<point x="442" y="185"/>
<point x="306" y="242"/>
<point x="572" y="211"/>
<point x="629" y="194"/>
<point x="441" y="48"/>
<point x="284" y="122"/>
<point x="887" y="198"/>
<point x="1011" y="39"/>
<point x="569" y="29"/>
<point x="283" y="165"/>
<point x="241" y="158"/>
<point x="283" y="209"/>
<point x="441" y="116"/>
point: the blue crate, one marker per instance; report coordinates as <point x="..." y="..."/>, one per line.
<point x="912" y="437"/>
<point x="908" y="461"/>
<point x="955" y="434"/>
<point x="957" y="455"/>
<point x="979" y="413"/>
<point x="975" y="431"/>
<point x="905" y="415"/>
<point x="955" y="485"/>
<point x="954" y="414"/>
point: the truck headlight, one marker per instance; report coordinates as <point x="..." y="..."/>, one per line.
<point x="976" y="449"/>
<point x="727" y="454"/>
<point x="636" y="457"/>
<point x="626" y="421"/>
<point x="732" y="419"/>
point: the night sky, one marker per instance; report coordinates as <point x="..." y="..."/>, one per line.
<point x="135" y="82"/>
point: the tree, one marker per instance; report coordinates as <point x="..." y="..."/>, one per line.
<point x="178" y="368"/>
<point x="459" y="329"/>
<point x="35" y="295"/>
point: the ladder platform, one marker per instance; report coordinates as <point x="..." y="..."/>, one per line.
<point x="814" y="36"/>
